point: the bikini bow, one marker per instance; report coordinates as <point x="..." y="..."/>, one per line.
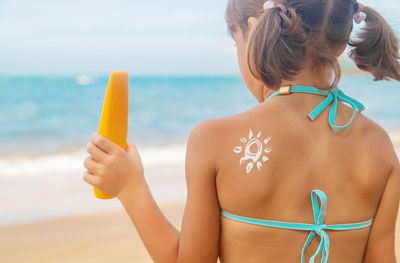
<point x="319" y="227"/>
<point x="335" y="96"/>
<point x="331" y="96"/>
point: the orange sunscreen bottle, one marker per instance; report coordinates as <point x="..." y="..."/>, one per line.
<point x="114" y="116"/>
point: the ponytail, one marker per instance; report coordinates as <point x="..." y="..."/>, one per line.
<point x="377" y="49"/>
<point x="276" y="47"/>
<point x="283" y="42"/>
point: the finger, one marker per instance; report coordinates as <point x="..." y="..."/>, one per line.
<point x="92" y="165"/>
<point x="132" y="149"/>
<point x="91" y="178"/>
<point x="95" y="152"/>
<point x="103" y="143"/>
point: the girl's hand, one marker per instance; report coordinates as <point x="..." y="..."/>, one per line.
<point x="111" y="169"/>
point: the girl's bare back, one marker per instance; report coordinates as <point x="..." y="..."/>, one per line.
<point x="351" y="167"/>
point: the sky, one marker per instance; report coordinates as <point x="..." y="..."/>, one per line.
<point x="95" y="37"/>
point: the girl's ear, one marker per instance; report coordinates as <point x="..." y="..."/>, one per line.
<point x="252" y="22"/>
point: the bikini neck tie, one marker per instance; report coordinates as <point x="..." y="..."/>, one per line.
<point x="331" y="97"/>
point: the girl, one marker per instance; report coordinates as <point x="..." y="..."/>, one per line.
<point x="249" y="176"/>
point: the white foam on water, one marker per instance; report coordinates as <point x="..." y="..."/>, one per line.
<point x="51" y="186"/>
<point x="72" y="162"/>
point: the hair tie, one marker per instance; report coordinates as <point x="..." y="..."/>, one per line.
<point x="360" y="15"/>
<point x="269" y="4"/>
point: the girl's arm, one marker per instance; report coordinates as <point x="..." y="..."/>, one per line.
<point x="381" y="242"/>
<point x="121" y="174"/>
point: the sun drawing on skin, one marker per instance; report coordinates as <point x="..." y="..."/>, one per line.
<point x="253" y="157"/>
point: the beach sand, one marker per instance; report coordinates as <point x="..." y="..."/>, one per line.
<point x="100" y="237"/>
<point x="90" y="235"/>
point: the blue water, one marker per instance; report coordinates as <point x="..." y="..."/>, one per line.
<point x="42" y="115"/>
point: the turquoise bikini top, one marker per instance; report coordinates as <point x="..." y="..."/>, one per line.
<point x="319" y="212"/>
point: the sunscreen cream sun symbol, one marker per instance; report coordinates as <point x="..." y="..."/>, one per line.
<point x="253" y="157"/>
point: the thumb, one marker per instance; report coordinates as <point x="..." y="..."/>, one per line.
<point x="131" y="149"/>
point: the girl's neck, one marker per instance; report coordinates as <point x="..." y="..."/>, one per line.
<point x="310" y="77"/>
<point x="307" y="77"/>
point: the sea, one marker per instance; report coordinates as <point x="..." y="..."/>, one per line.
<point x="46" y="124"/>
<point x="48" y="120"/>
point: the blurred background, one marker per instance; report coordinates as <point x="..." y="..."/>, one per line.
<point x="56" y="57"/>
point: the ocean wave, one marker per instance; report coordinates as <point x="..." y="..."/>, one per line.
<point x="65" y="163"/>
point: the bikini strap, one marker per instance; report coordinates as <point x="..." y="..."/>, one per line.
<point x="335" y="96"/>
<point x="319" y="217"/>
<point x="319" y="212"/>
